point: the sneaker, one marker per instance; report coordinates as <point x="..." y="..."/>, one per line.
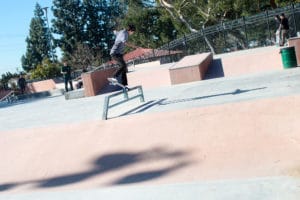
<point x="112" y="80"/>
<point x="127" y="88"/>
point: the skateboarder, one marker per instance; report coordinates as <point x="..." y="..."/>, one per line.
<point x="117" y="52"/>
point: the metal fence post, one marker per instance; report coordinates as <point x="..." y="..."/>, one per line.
<point x="205" y="45"/>
<point x="224" y="35"/>
<point x="169" y="48"/>
<point x="294" y="19"/>
<point x="170" y="57"/>
<point x="268" y="23"/>
<point x="185" y="45"/>
<point x="245" y="29"/>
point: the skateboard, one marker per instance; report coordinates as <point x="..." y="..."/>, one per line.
<point x="115" y="82"/>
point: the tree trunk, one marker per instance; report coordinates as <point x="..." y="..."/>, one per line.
<point x="179" y="17"/>
<point x="273" y="4"/>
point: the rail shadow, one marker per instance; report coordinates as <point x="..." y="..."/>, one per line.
<point x="162" y="102"/>
<point x="236" y="92"/>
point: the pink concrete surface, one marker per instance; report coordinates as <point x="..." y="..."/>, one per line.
<point x="41" y="86"/>
<point x="234" y="64"/>
<point x="93" y="82"/>
<point x="190" y="68"/>
<point x="152" y="78"/>
<point x="251" y="61"/>
<point x="295" y="42"/>
<point x="233" y="141"/>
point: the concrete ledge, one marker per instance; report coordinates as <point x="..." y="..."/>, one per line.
<point x="190" y="68"/>
<point x="75" y="94"/>
<point x="42" y="94"/>
<point x="41" y="86"/>
<point x="94" y="81"/>
<point x="296" y="43"/>
<point x="248" y="61"/>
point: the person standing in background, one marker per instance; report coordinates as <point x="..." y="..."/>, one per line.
<point x="66" y="71"/>
<point x="22" y="84"/>
<point x="284" y="28"/>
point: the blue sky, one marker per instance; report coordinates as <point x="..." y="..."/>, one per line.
<point x="15" y="17"/>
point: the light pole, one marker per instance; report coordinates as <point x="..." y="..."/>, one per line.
<point x="49" y="33"/>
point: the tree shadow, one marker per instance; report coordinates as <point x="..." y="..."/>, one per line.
<point x="7" y="186"/>
<point x="108" y="88"/>
<point x="148" y="175"/>
<point x="112" y="162"/>
<point x="116" y="161"/>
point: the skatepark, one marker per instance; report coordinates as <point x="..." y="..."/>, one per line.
<point x="232" y="135"/>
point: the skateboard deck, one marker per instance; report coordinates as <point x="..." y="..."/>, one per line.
<point x="114" y="82"/>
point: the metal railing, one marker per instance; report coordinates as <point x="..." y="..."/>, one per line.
<point x="247" y="32"/>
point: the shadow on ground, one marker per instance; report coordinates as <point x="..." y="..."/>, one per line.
<point x="215" y="70"/>
<point x="109" y="88"/>
<point x="25" y="100"/>
<point x="117" y="161"/>
<point x="236" y="92"/>
<point x="165" y="101"/>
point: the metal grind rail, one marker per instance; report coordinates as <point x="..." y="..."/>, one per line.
<point x="126" y="99"/>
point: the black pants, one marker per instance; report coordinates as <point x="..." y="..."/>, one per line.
<point x="68" y="80"/>
<point x="122" y="70"/>
<point x="284" y="36"/>
<point x="22" y="88"/>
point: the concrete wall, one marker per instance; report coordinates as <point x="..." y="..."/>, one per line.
<point x="151" y="78"/>
<point x="250" y="61"/>
<point x="94" y="81"/>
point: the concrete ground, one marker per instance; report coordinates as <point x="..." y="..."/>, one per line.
<point x="225" y="138"/>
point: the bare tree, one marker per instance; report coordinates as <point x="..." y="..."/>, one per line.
<point x="84" y="56"/>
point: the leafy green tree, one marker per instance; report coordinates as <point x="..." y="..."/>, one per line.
<point x="193" y="15"/>
<point x="281" y="3"/>
<point x="152" y="28"/>
<point x="46" y="70"/>
<point x="99" y="19"/>
<point x="68" y="24"/>
<point x="5" y="79"/>
<point x="38" y="46"/>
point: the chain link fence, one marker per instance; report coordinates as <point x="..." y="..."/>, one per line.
<point x="244" y="33"/>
